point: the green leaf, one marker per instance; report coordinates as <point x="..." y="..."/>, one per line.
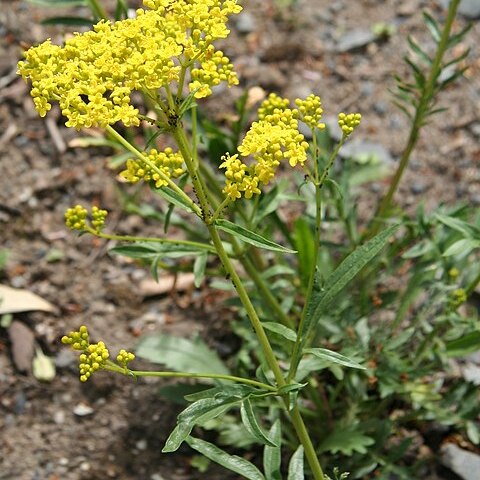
<point x="467" y="229"/>
<point x="420" y="249"/>
<point x="121" y="10"/>
<point x="77" y="21"/>
<point x="280" y="329"/>
<point x="235" y="390"/>
<point x="458" y="37"/>
<point x="334" y="357"/>
<point x="250" y="237"/>
<point x="199" y="268"/>
<point x="305" y="245"/>
<point x="174" y="197"/>
<point x="418" y="50"/>
<point x="272" y="455"/>
<point x="180" y="354"/>
<point x="295" y="467"/>
<point x="465" y="345"/>
<point x="341" y="276"/>
<point x="150" y="250"/>
<point x="463" y="246"/>
<point x="346" y="440"/>
<point x="250" y="421"/>
<point x="233" y="463"/>
<point x="177" y="437"/>
<point x="432" y="26"/>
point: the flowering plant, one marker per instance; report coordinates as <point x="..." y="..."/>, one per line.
<point x="167" y="53"/>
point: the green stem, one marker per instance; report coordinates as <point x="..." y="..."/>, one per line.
<point x="270" y="358"/>
<point x="112" y="367"/>
<point x="319" y="181"/>
<point x="97" y="9"/>
<point x="143" y="158"/>
<point x="427" y="94"/>
<point x="130" y="238"/>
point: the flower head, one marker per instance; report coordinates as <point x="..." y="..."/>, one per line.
<point x="348" y="122"/>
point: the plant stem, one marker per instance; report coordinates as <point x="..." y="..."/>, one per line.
<point x="97" y="9"/>
<point x="130" y="238"/>
<point x="216" y="376"/>
<point x="143" y="158"/>
<point x="270" y="358"/>
<point x="421" y="111"/>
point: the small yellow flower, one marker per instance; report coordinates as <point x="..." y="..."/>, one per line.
<point x="311" y="111"/>
<point x="348" y="122"/>
<point x="75" y="218"/>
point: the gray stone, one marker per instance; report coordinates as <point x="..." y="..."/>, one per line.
<point x="462" y="462"/>
<point x="355" y="39"/>
<point x="417" y="187"/>
<point x="360" y="150"/>
<point x="245" y="22"/>
<point x="468" y="8"/>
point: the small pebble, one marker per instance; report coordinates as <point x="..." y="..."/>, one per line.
<point x="82" y="410"/>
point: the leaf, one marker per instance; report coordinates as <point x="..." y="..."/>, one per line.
<point x="280" y="329"/>
<point x="334" y="357"/>
<point x="295" y="467"/>
<point x="174" y="197"/>
<point x="180" y="354"/>
<point x="272" y="455"/>
<point x="18" y="300"/>
<point x="418" y="50"/>
<point x="150" y="250"/>
<point x="465" y="345"/>
<point x="233" y="390"/>
<point x="233" y="463"/>
<point x="341" y="276"/>
<point x="432" y="26"/>
<point x="463" y="246"/>
<point x="468" y="230"/>
<point x="250" y="421"/>
<point x="77" y="21"/>
<point x="420" y="249"/>
<point x="177" y="437"/>
<point x="346" y="440"/>
<point x="250" y="237"/>
<point x="199" y="268"/>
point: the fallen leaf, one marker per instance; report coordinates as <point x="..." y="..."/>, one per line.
<point x="43" y="367"/>
<point x="22" y="340"/>
<point x="18" y="300"/>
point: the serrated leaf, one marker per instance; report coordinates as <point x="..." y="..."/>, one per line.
<point x="233" y="463"/>
<point x="346" y="440"/>
<point x="334" y="357"/>
<point x="463" y="246"/>
<point x="295" y="467"/>
<point x="272" y="455"/>
<point x="249" y="420"/>
<point x="250" y="237"/>
<point x="341" y="276"/>
<point x="77" y="21"/>
<point x="180" y="354"/>
<point x="199" y="268"/>
<point x="281" y="330"/>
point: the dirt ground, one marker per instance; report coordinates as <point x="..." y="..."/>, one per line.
<point x="111" y="427"/>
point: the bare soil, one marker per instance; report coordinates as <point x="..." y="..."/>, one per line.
<point x="112" y="427"/>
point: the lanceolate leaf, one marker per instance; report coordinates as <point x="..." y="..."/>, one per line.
<point x="432" y="26"/>
<point x="334" y="357"/>
<point x="177" y="437"/>
<point x="282" y="330"/>
<point x="173" y="197"/>
<point x="231" y="462"/>
<point x="295" y="467"/>
<point x="180" y="354"/>
<point x="250" y="237"/>
<point x="272" y="456"/>
<point x="341" y="276"/>
<point x="250" y="421"/>
<point x="199" y="268"/>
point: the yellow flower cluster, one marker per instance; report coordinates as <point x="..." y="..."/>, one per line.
<point x="348" y="122"/>
<point x="124" y="357"/>
<point x="76" y="218"/>
<point x="311" y="111"/>
<point x="168" y="162"/>
<point x="275" y="137"/>
<point x="94" y="356"/>
<point x="214" y="69"/>
<point x="94" y="74"/>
